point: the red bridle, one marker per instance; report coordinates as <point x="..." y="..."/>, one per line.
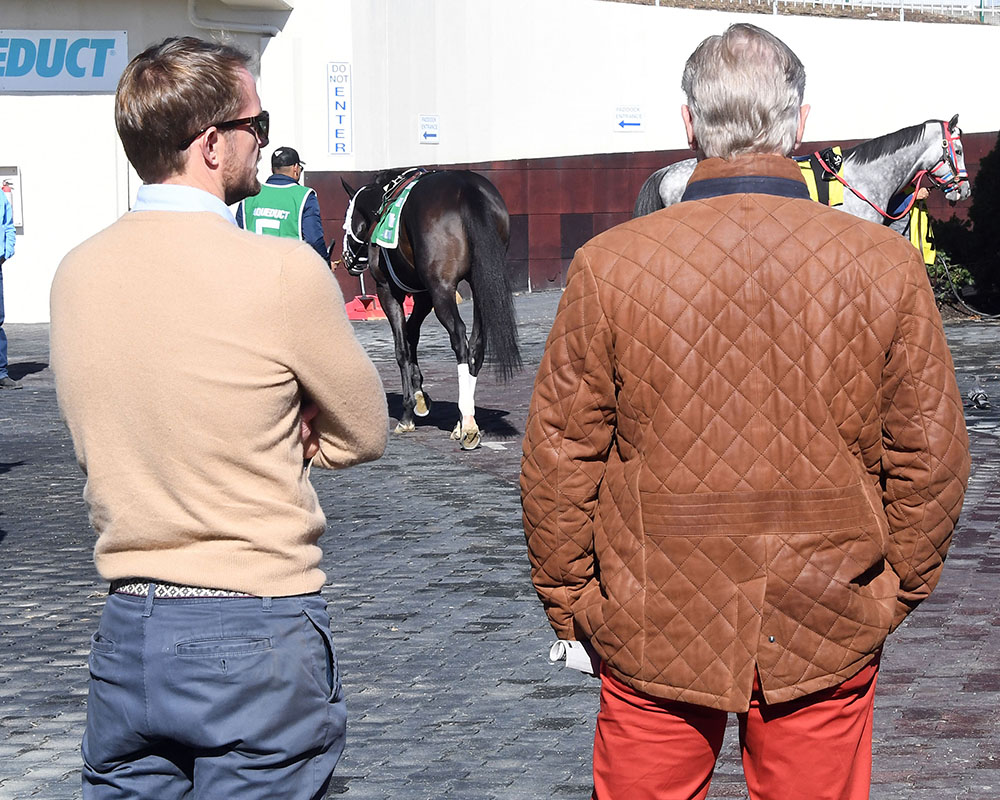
<point x="946" y="174"/>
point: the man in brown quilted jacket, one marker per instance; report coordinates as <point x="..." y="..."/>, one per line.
<point x="744" y="458"/>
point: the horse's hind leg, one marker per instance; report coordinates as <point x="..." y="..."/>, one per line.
<point x="421" y="308"/>
<point x="393" y="308"/>
<point x="477" y="345"/>
<point x="466" y="430"/>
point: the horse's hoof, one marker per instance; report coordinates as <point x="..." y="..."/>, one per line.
<point x="408" y="427"/>
<point x="423" y="404"/>
<point x="468" y="436"/>
<point x="471" y="439"/>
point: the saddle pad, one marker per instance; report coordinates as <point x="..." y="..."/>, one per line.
<point x="386" y="233"/>
<point x="827" y="192"/>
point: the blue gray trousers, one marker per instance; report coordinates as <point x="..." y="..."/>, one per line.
<point x="212" y="698"/>
<point x="3" y="335"/>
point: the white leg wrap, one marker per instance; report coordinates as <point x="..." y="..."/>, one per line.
<point x="466" y="391"/>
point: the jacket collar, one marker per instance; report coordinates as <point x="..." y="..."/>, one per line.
<point x="750" y="174"/>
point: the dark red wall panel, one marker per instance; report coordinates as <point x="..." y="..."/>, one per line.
<point x="557" y="204"/>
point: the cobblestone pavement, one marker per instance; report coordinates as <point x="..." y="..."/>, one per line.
<point x="441" y="639"/>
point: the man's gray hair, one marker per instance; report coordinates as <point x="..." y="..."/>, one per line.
<point x="744" y="89"/>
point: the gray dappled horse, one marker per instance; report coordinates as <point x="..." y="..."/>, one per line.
<point x="453" y="226"/>
<point x="873" y="172"/>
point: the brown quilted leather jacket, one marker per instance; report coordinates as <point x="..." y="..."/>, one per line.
<point x="746" y="446"/>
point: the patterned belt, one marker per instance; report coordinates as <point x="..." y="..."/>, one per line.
<point x="166" y="590"/>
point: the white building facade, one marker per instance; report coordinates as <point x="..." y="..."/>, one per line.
<point x="361" y="85"/>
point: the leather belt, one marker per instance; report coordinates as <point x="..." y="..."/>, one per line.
<point x="165" y="590"/>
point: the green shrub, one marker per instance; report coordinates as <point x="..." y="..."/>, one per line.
<point x="947" y="278"/>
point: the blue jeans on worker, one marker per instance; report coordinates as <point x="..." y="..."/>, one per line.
<point x="213" y="697"/>
<point x="3" y="335"/>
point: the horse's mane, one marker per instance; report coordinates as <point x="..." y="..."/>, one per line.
<point x="386" y="175"/>
<point x="881" y="146"/>
<point x="389" y="175"/>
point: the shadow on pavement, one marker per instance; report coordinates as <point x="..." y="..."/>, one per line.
<point x="18" y="370"/>
<point x="444" y="414"/>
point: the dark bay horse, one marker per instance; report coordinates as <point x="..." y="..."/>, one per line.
<point x="453" y="226"/>
<point x="873" y="172"/>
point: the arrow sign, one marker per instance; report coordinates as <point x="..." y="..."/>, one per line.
<point x="428" y="128"/>
<point x="628" y="118"/>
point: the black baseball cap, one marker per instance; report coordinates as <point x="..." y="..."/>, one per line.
<point x="285" y="157"/>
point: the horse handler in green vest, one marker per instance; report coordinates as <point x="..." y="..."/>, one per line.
<point x="283" y="207"/>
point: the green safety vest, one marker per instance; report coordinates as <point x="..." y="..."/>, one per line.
<point x="276" y="210"/>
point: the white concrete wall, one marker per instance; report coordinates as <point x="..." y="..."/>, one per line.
<point x="75" y="179"/>
<point x="522" y="78"/>
<point x="508" y="79"/>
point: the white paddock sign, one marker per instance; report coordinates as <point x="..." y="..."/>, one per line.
<point x="62" y="61"/>
<point x="628" y="119"/>
<point x="428" y="129"/>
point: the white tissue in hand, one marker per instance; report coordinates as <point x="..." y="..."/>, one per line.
<point x="573" y="653"/>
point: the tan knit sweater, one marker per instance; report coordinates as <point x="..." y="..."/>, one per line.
<point x="182" y="348"/>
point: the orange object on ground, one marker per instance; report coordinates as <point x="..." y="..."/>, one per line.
<point x="817" y="747"/>
<point x="367" y="306"/>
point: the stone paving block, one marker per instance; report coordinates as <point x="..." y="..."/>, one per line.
<point x="441" y="639"/>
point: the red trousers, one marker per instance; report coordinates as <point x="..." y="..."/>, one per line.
<point x="818" y="747"/>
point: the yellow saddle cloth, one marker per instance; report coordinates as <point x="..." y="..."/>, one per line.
<point x="822" y="187"/>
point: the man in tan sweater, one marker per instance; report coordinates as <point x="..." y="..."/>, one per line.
<point x="199" y="368"/>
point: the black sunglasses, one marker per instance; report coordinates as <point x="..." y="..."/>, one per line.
<point x="261" y="124"/>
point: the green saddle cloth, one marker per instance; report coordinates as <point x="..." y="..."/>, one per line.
<point x="386" y="233"/>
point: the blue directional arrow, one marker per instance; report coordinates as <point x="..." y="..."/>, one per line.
<point x="624" y="124"/>
<point x="428" y="135"/>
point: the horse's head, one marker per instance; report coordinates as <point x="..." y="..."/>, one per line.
<point x="949" y="173"/>
<point x="358" y="222"/>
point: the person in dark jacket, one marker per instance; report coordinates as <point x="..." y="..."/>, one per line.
<point x="744" y="457"/>
<point x="283" y="207"/>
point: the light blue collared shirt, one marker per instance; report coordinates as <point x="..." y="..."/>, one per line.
<point x="176" y="197"/>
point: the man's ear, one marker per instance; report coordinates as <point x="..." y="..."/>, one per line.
<point x="803" y="113"/>
<point x="209" y="148"/>
<point x="689" y="127"/>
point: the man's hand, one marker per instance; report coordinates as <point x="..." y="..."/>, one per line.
<point x="310" y="436"/>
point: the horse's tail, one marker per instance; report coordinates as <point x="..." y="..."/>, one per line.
<point x="649" y="195"/>
<point x="492" y="296"/>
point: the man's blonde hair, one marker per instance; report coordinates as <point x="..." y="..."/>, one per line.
<point x="744" y="89"/>
<point x="169" y="92"/>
